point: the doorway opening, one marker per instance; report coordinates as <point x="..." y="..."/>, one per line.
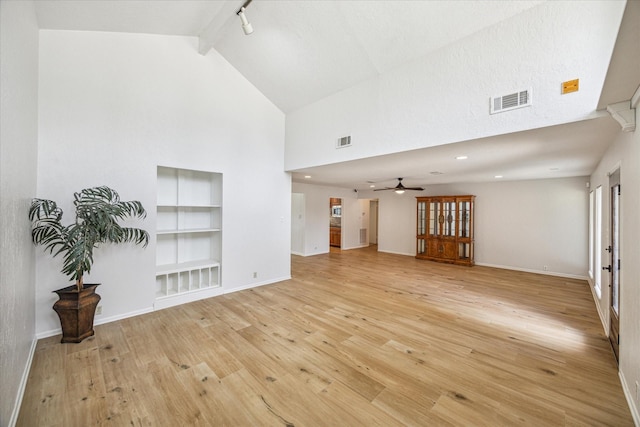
<point x="335" y="222"/>
<point x="373" y="223"/>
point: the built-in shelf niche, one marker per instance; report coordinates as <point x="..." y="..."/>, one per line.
<point x="188" y="232"/>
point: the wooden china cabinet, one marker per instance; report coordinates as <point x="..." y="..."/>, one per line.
<point x="445" y="229"/>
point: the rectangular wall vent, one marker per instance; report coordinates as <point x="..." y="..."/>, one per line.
<point x="345" y="141"/>
<point x="363" y="235"/>
<point x="500" y="104"/>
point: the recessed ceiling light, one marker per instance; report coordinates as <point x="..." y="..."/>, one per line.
<point x="461" y="157"/>
<point x="372" y="186"/>
<point x="498" y="176"/>
<point x="307" y="177"/>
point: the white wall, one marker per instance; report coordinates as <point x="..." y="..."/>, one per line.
<point x="112" y="107"/>
<point x="444" y="96"/>
<point x="624" y="153"/>
<point x="18" y="161"/>
<point x="396" y="221"/>
<point x="297" y="223"/>
<point x="316" y="218"/>
<point x="522" y="225"/>
<point x="373" y="222"/>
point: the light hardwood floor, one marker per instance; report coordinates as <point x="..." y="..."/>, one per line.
<point x="355" y="338"/>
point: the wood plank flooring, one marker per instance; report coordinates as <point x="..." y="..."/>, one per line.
<point x="356" y="338"/>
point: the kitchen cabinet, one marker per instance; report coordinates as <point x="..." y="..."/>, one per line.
<point x="335" y="236"/>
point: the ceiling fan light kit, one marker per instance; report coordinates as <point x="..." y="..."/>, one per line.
<point x="400" y="189"/>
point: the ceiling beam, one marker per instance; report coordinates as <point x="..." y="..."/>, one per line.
<point x="622" y="75"/>
<point x="213" y="31"/>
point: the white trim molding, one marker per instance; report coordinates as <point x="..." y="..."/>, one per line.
<point x="23" y="385"/>
<point x="635" y="414"/>
<point x="624" y="114"/>
<point x="529" y="270"/>
<point x="635" y="99"/>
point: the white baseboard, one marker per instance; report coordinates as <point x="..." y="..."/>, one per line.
<point x="49" y="333"/>
<point x="98" y="320"/>
<point x="311" y="254"/>
<point x="23" y="385"/>
<point x="255" y="285"/>
<point x="356" y="247"/>
<point x="396" y="253"/>
<point x="110" y="319"/>
<point x="179" y="299"/>
<point x="528" y="270"/>
<point x="628" y="394"/>
<point x="601" y="314"/>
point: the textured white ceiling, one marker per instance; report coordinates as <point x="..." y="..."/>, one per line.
<point x="525" y="155"/>
<point x="303" y="51"/>
<point x="186" y="17"/>
<point x="300" y="51"/>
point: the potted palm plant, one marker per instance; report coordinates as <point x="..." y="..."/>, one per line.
<point x="98" y="211"/>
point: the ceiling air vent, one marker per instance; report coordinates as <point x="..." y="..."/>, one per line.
<point x="345" y="141"/>
<point x="500" y="104"/>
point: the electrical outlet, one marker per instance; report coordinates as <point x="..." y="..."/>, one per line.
<point x="98" y="310"/>
<point x="255" y="274"/>
<point x="545" y="268"/>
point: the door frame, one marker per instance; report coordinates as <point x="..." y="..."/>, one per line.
<point x="613" y="248"/>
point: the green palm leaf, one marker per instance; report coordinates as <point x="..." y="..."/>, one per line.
<point x="98" y="211"/>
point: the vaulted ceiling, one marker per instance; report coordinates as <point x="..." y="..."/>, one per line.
<point x="303" y="51"/>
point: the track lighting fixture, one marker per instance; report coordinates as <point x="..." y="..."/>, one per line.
<point x="246" y="25"/>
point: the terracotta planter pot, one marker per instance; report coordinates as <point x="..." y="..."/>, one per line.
<point x="76" y="311"/>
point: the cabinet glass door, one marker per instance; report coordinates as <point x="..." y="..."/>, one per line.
<point x="465" y="251"/>
<point x="464" y="222"/>
<point x="447" y="218"/>
<point x="434" y="217"/>
<point x="422" y="218"/>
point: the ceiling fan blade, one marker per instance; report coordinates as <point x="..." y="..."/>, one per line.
<point x="399" y="187"/>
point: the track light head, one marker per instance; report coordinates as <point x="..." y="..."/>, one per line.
<point x="246" y="26"/>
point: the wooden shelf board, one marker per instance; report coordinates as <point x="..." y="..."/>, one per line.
<point x="189" y="206"/>
<point x="188" y="231"/>
<point x="185" y="266"/>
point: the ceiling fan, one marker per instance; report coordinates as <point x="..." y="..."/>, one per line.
<point x="399" y="189"/>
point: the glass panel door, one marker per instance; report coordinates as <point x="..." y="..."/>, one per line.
<point x="448" y="216"/>
<point x="434" y="214"/>
<point x="464" y="219"/>
<point x="464" y="250"/>
<point x="615" y="251"/>
<point x="614" y="267"/>
<point x="422" y="218"/>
